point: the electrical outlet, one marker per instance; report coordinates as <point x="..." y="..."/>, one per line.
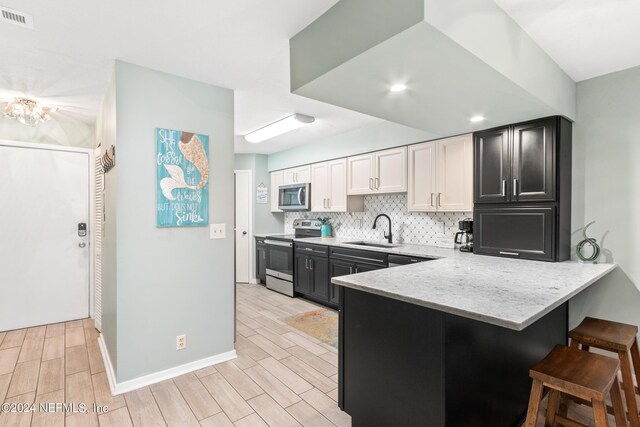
<point x="217" y="231"/>
<point x="181" y="342"/>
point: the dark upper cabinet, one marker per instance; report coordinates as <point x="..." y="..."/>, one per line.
<point x="533" y="218"/>
<point x="492" y="165"/>
<point x="533" y="165"/>
<point x="516" y="163"/>
<point x="517" y="232"/>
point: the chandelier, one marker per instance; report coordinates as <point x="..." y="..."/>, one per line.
<point x="27" y="111"/>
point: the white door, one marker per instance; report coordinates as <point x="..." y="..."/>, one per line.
<point x="421" y="195"/>
<point x="319" y="187"/>
<point x="360" y="174"/>
<point x="391" y="171"/>
<point x="44" y="263"/>
<point x="243" y="226"/>
<point x="455" y="174"/>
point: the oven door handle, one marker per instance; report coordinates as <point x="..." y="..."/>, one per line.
<point x="277" y="243"/>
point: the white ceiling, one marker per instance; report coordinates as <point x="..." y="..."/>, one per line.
<point x="241" y="44"/>
<point x="586" y="38"/>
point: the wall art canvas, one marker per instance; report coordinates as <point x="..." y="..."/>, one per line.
<point x="182" y="188"/>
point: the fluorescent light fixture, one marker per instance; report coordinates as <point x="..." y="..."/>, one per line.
<point x="476" y="119"/>
<point x="399" y="87"/>
<point x="274" y="129"/>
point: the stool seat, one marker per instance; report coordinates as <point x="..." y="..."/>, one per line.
<point x="605" y="334"/>
<point x="570" y="371"/>
<point x="576" y="372"/>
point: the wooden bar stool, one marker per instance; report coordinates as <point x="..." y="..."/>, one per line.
<point x="577" y="373"/>
<point x="619" y="338"/>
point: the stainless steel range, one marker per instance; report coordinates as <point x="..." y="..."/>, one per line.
<point x="280" y="258"/>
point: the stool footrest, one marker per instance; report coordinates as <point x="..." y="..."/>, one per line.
<point x="568" y="422"/>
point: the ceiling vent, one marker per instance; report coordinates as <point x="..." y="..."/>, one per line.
<point x="15" y="17"/>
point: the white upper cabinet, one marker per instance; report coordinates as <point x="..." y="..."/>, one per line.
<point x="421" y="195"/>
<point x="378" y="173"/>
<point x="319" y="187"/>
<point x="329" y="188"/>
<point x="441" y="175"/>
<point x="277" y="179"/>
<point x="298" y="175"/>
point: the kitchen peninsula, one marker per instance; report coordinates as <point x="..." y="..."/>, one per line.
<point x="450" y="341"/>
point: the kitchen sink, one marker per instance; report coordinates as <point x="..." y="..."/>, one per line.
<point x="372" y="244"/>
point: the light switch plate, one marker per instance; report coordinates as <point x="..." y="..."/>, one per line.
<point x="217" y="231"/>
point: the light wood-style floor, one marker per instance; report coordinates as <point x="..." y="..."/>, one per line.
<point x="282" y="376"/>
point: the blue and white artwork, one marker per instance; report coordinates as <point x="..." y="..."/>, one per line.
<point x="182" y="162"/>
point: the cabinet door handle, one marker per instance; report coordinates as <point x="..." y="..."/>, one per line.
<point x="509" y="253"/>
<point x="377" y="183"/>
<point x="310" y="264"/>
<point x="371" y="184"/>
<point x="329" y="203"/>
<point x="515" y="187"/>
<point x="504" y="188"/>
<point x="439" y="200"/>
<point x="431" y="200"/>
<point x="350" y="270"/>
<point x="306" y="263"/>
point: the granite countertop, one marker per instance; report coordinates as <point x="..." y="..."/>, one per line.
<point x="511" y="293"/>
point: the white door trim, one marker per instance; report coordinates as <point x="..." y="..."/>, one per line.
<point x="90" y="161"/>
<point x="252" y="272"/>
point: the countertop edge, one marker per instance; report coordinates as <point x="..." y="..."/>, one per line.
<point x="517" y="326"/>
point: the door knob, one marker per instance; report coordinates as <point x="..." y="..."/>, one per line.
<point x="82" y="244"/>
<point x="244" y="233"/>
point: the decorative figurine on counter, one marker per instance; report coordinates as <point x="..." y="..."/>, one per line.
<point x="595" y="248"/>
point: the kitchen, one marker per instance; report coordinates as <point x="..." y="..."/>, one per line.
<point x="507" y="190"/>
<point x="328" y="213"/>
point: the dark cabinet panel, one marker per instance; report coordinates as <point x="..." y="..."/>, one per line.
<point x="302" y="276"/>
<point x="517" y="232"/>
<point x="533" y="164"/>
<point x="320" y="281"/>
<point x="361" y="268"/>
<point x="338" y="268"/>
<point x="492" y="165"/>
<point x="261" y="263"/>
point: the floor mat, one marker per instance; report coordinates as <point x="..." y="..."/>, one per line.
<point x="321" y="324"/>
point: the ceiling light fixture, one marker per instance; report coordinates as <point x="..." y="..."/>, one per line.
<point x="398" y="87"/>
<point x="476" y="119"/>
<point x="274" y="129"/>
<point x="27" y="111"/>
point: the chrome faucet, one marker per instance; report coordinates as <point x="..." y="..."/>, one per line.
<point x="389" y="236"/>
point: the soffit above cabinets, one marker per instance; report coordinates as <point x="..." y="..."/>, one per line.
<point x="457" y="62"/>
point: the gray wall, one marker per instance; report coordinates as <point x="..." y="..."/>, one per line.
<point x="362" y="140"/>
<point x="170" y="281"/>
<point x="606" y="189"/>
<point x="106" y="134"/>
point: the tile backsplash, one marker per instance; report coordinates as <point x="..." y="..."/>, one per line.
<point x="427" y="228"/>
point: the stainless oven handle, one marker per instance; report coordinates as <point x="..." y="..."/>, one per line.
<point x="277" y="243"/>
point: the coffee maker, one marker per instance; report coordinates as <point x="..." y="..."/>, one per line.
<point x="464" y="237"/>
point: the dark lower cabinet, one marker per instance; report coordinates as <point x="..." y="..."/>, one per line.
<point x="311" y="272"/>
<point x="516" y="232"/>
<point x="261" y="260"/>
<point x="302" y="277"/>
<point x="338" y="267"/>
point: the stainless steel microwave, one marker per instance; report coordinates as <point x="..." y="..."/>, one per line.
<point x="294" y="197"/>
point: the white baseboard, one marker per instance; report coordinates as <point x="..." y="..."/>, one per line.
<point x="254" y="281"/>
<point x="156" y="377"/>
